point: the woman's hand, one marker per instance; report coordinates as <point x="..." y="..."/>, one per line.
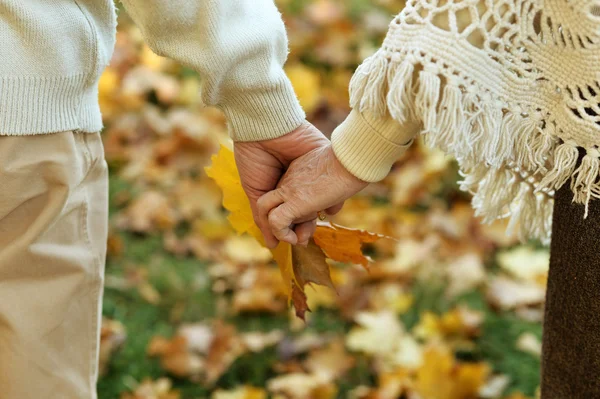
<point x="262" y="163"/>
<point x="314" y="182"/>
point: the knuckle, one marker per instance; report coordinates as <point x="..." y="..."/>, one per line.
<point x="276" y="221"/>
<point x="286" y="192"/>
<point x="260" y="205"/>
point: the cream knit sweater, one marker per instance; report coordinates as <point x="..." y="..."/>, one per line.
<point x="52" y="53"/>
<point x="511" y="88"/>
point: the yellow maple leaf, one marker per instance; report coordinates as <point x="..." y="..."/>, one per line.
<point x="442" y="377"/>
<point x="299" y="266"/>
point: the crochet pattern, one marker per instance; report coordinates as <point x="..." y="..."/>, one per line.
<point x="511" y="88"/>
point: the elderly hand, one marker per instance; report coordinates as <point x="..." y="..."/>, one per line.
<point x="262" y="163"/>
<point x="314" y="182"/>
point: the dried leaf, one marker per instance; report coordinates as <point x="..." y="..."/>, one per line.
<point x="310" y="266"/>
<point x="112" y="337"/>
<point x="148" y="389"/>
<point x="344" y="244"/>
<point x="245" y="392"/>
<point x="529" y="343"/>
<point x="441" y="377"/>
<point x="303" y="386"/>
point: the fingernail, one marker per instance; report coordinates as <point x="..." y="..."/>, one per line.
<point x="304" y="243"/>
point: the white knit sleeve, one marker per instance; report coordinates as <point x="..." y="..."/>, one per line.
<point x="238" y="47"/>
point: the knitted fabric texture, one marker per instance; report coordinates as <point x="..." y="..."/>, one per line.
<point x="511" y="88"/>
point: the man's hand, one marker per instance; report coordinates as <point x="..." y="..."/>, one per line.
<point x="262" y="163"/>
<point x="314" y="182"/>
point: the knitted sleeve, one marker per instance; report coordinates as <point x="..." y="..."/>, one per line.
<point x="510" y="88"/>
<point x="238" y="47"/>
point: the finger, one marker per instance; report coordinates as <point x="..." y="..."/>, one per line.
<point x="307" y="218"/>
<point x="264" y="205"/>
<point x="270" y="240"/>
<point x="280" y="221"/>
<point x="304" y="231"/>
<point x="333" y="210"/>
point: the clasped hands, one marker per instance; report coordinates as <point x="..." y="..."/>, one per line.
<point x="288" y="180"/>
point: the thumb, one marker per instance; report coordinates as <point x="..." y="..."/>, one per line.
<point x="280" y="221"/>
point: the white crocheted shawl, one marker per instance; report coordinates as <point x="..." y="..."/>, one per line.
<point x="511" y="88"/>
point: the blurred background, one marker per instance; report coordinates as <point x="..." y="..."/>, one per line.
<point x="451" y="309"/>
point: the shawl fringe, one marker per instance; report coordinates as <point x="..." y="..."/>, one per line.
<point x="511" y="162"/>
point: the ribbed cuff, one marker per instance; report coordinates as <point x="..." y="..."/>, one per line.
<point x="368" y="146"/>
<point x="264" y="115"/>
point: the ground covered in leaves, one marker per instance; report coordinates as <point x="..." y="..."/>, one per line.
<point x="449" y="309"/>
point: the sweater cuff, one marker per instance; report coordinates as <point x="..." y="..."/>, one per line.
<point x="263" y="115"/>
<point x="368" y="146"/>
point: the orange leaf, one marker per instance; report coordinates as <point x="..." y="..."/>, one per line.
<point x="309" y="266"/>
<point x="343" y="244"/>
<point x="299" y="300"/>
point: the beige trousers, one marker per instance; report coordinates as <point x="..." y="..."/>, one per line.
<point x="53" y="228"/>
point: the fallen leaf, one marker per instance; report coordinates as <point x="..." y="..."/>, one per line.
<point x="529" y="343"/>
<point x="148" y="389"/>
<point x="525" y="263"/>
<point x="343" y="244"/>
<point x="112" y="337"/>
<point x="331" y="362"/>
<point x="464" y="274"/>
<point x="258" y="341"/>
<point x="442" y="377"/>
<point x="505" y="293"/>
<point x="302" y="386"/>
<point x="224" y="349"/>
<point x="245" y="392"/>
<point x="495" y="386"/>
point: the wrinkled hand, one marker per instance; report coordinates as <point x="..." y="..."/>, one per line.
<point x="314" y="182"/>
<point x="262" y="163"/>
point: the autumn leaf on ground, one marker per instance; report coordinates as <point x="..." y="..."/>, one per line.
<point x="112" y="337"/>
<point x="244" y="392"/>
<point x="299" y="266"/>
<point x="442" y="377"/>
<point x="148" y="389"/>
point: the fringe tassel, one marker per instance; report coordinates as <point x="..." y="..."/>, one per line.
<point x="451" y="119"/>
<point x="508" y="131"/>
<point x="541" y="148"/>
<point x="492" y="123"/>
<point x="374" y="94"/>
<point x="586" y="178"/>
<point x="473" y="127"/>
<point x="523" y="213"/>
<point x="495" y="195"/>
<point x="400" y="99"/>
<point x="565" y="160"/>
<point x="525" y="134"/>
<point x="359" y="80"/>
<point x="427" y="99"/>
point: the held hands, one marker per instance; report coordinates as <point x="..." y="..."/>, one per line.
<point x="315" y="181"/>
<point x="261" y="165"/>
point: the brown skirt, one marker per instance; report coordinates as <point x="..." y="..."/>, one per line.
<point x="571" y="342"/>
